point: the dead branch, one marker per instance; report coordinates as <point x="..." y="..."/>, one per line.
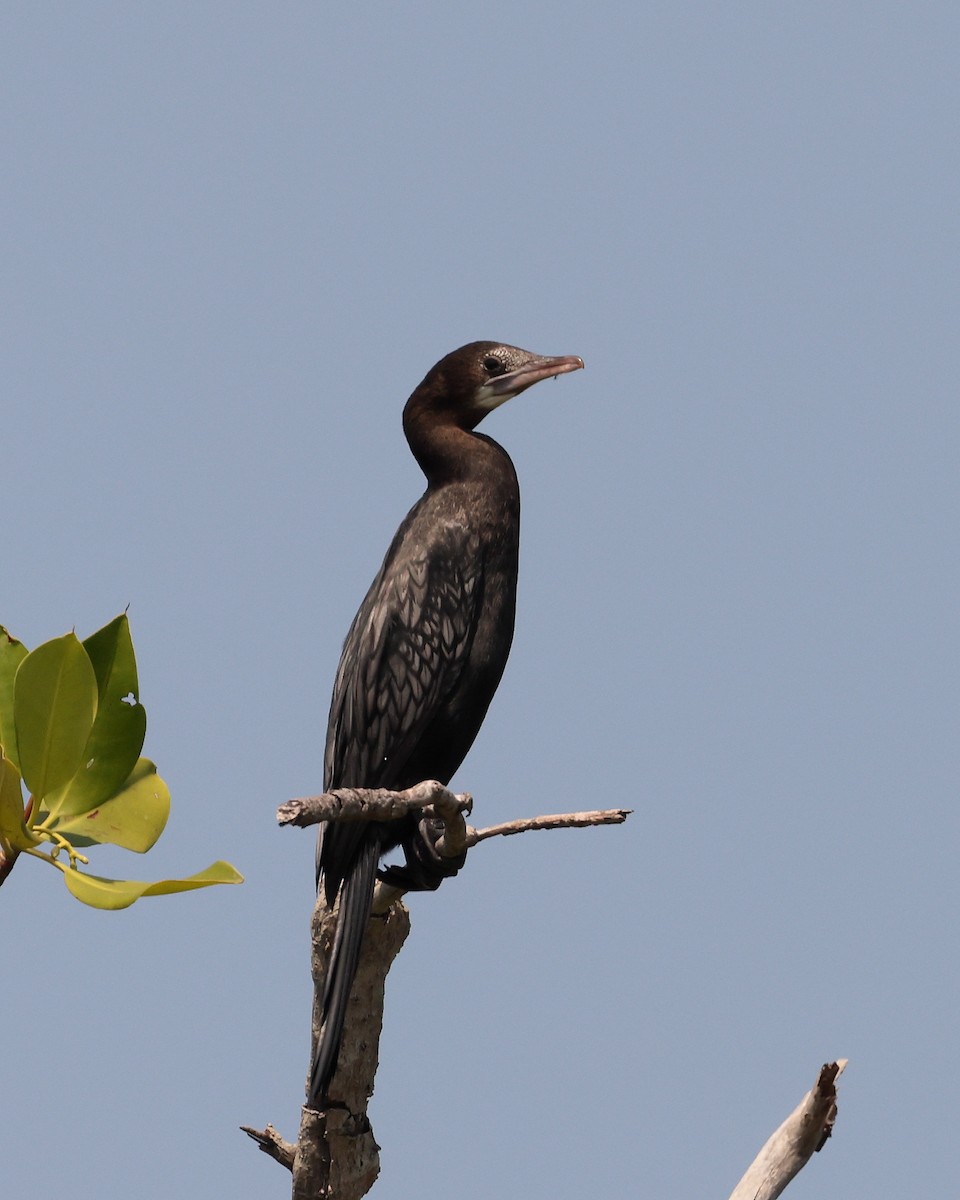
<point x="336" y="1156"/>
<point x="372" y="804"/>
<point x="270" y="1142"/>
<point x="792" y="1146"/>
<point x="578" y="820"/>
<point x="432" y="799"/>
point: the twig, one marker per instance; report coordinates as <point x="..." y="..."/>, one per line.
<point x="579" y="820"/>
<point x="271" y="1143"/>
<point x="792" y="1146"/>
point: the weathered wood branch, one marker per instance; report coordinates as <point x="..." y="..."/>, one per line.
<point x="577" y="820"/>
<point x="336" y="1156"/>
<point x="433" y="800"/>
<point x="271" y="1143"/>
<point x="373" y="804"/>
<point x="790" y="1148"/>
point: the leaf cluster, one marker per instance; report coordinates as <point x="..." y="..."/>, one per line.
<point x="71" y="730"/>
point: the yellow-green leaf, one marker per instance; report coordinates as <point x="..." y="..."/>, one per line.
<point x="54" y="704"/>
<point x="121" y="893"/>
<point x="12" y="654"/>
<point x="13" y="831"/>
<point x="134" y="817"/>
<point x="115" y="741"/>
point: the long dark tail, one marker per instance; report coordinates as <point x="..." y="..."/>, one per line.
<point x="356" y="898"/>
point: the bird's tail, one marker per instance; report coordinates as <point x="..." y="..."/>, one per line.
<point x="356" y="898"/>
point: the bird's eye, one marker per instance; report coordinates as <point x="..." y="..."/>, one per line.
<point x="493" y="365"/>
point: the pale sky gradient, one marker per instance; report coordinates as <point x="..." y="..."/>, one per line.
<point x="235" y="237"/>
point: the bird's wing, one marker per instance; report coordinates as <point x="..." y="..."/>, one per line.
<point x="403" y="656"/>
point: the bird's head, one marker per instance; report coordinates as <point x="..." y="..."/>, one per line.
<point x="472" y="381"/>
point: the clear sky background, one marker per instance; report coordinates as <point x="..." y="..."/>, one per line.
<point x="234" y="238"/>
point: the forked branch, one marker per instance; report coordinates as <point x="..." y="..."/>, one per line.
<point x="336" y="1156"/>
<point x="434" y="801"/>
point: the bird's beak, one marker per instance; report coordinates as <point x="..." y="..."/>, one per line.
<point x="504" y="387"/>
<point x="532" y="372"/>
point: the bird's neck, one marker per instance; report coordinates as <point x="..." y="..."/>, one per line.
<point x="448" y="454"/>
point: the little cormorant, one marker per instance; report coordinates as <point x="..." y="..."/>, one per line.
<point x="427" y="648"/>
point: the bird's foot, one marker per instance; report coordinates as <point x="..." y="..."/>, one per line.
<point x="425" y="869"/>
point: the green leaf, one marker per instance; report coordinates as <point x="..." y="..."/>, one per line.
<point x="54" y="704"/>
<point x="121" y="893"/>
<point x="115" y="741"/>
<point x="13" y="831"/>
<point x="12" y="654"/>
<point x="134" y="817"/>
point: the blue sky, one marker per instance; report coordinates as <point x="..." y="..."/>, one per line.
<point x="235" y="237"/>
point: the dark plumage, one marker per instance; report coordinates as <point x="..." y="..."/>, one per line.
<point x="427" y="648"/>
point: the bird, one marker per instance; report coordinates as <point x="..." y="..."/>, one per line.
<point x="426" y="649"/>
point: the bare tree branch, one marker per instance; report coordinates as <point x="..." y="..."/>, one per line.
<point x="372" y="804"/>
<point x="792" y="1146"/>
<point x="270" y="1142"/>
<point x="578" y="820"/>
<point x="434" y="801"/>
<point x="336" y="1155"/>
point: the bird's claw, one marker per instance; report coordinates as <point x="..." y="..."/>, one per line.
<point x="425" y="868"/>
